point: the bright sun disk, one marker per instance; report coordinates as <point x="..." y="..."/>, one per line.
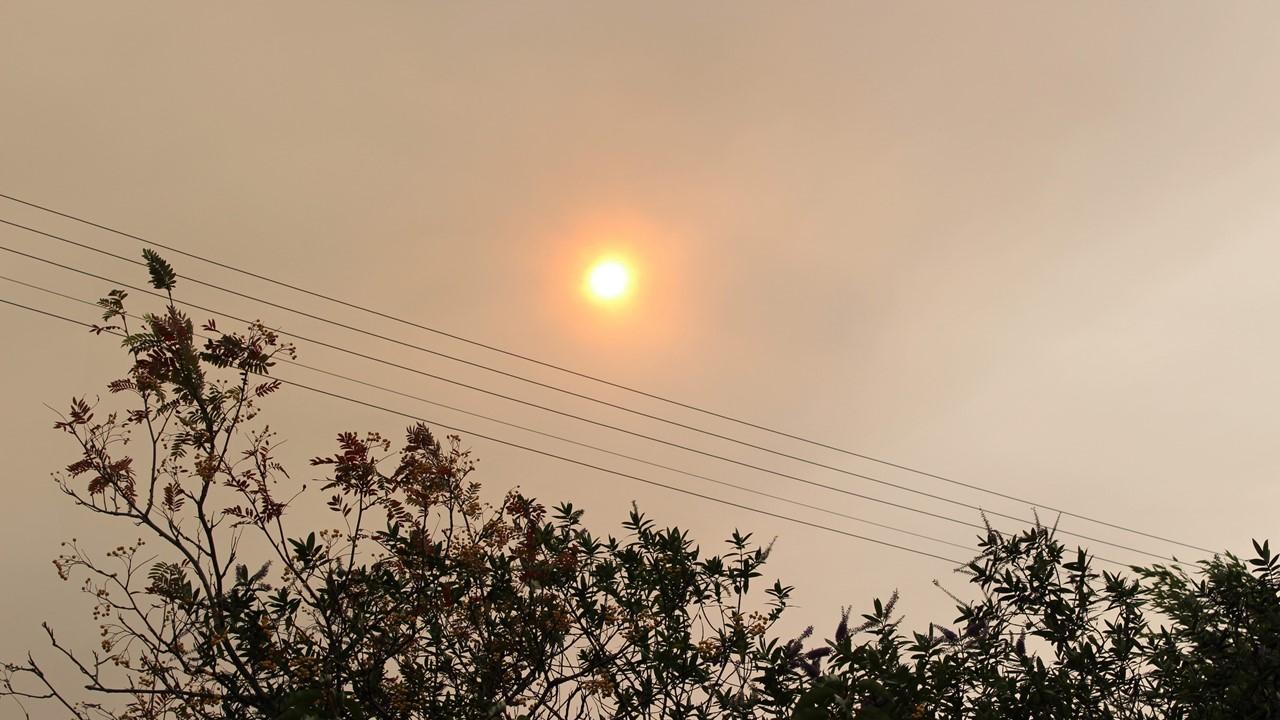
<point x="608" y="279"/>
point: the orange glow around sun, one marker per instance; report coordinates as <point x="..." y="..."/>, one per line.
<point x="608" y="280"/>
<point x="614" y="284"/>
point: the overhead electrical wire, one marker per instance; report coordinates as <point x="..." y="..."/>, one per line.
<point x="687" y="448"/>
<point x="958" y="564"/>
<point x="535" y="431"/>
<point x="423" y="373"/>
<point x="597" y="379"/>
<point x="413" y="346"/>
<point x="553" y="436"/>
<point x="338" y="396"/>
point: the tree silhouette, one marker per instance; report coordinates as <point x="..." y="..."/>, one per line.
<point x="426" y="602"/>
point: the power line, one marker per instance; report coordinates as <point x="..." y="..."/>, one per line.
<point x="843" y="471"/>
<point x="535" y="431"/>
<point x="527" y="403"/>
<point x="598" y="468"/>
<point x="602" y="381"/>
<point x="616" y="428"/>
<point x="583" y="445"/>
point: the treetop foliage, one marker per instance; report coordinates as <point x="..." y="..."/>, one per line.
<point x="421" y="600"/>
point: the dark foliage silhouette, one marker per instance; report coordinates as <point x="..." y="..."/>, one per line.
<point x="420" y="600"/>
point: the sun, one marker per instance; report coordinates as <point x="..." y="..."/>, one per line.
<point x="608" y="280"/>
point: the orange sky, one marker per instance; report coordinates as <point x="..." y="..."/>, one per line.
<point x="1031" y="246"/>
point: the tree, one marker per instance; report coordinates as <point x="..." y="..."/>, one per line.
<point x="1052" y="638"/>
<point x="1219" y="654"/>
<point x="426" y="602"/>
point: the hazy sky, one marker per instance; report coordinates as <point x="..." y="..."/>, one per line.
<point x="1031" y="246"/>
